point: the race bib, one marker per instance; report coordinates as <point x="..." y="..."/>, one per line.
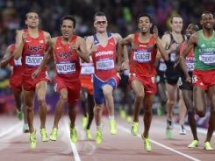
<point x="65" y="68"/>
<point x="172" y="57"/>
<point x="207" y="58"/>
<point x="33" y="60"/>
<point x="190" y="66"/>
<point x="105" y="64"/>
<point x="87" y="70"/>
<point x="162" y="66"/>
<point x="18" y="62"/>
<point x="142" y="56"/>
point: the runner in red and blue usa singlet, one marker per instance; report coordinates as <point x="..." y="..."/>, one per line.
<point x="32" y="56"/>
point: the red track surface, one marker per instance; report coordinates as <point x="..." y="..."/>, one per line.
<point x="14" y="144"/>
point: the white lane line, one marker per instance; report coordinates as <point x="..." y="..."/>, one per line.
<point x="10" y="129"/>
<point x="73" y="146"/>
<point x="164" y="146"/>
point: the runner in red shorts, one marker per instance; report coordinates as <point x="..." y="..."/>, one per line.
<point x="203" y="45"/>
<point x="143" y="72"/>
<point x="16" y="82"/>
<point x="66" y="51"/>
<point x="31" y="44"/>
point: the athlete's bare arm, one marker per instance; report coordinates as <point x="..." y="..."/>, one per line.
<point x="19" y="44"/>
<point x="81" y="49"/>
<point x="6" y="58"/>
<point x="190" y="45"/>
<point x="122" y="53"/>
<point x="91" y="47"/>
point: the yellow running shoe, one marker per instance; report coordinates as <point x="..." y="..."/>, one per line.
<point x="99" y="137"/>
<point x="32" y="140"/>
<point x="147" y="144"/>
<point x="88" y="134"/>
<point x="134" y="128"/>
<point x="53" y="136"/>
<point x="193" y="144"/>
<point x="122" y="113"/>
<point x="207" y="146"/>
<point x="112" y="124"/>
<point x="84" y="121"/>
<point x="73" y="135"/>
<point x="44" y="135"/>
<point x="19" y="115"/>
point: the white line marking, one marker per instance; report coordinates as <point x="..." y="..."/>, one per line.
<point x="159" y="144"/>
<point x="74" y="149"/>
<point x="10" y="129"/>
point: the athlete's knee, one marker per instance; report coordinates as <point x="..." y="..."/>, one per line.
<point x="63" y="98"/>
<point x="139" y="95"/>
<point x="170" y="102"/>
<point x="29" y="108"/>
<point x="97" y="108"/>
<point x="190" y="111"/>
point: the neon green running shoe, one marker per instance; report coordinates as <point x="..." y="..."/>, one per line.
<point x="168" y="133"/>
<point x="207" y="146"/>
<point x="44" y="135"/>
<point x="129" y="119"/>
<point x="193" y="144"/>
<point x="53" y="135"/>
<point x="88" y="134"/>
<point x="99" y="137"/>
<point x="20" y="115"/>
<point x="32" y="140"/>
<point x="84" y="121"/>
<point x="134" y="128"/>
<point x="122" y="113"/>
<point x="73" y="135"/>
<point x="112" y="125"/>
<point x="147" y="144"/>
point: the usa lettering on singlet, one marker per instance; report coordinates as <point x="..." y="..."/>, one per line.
<point x="142" y="56"/>
<point x="105" y="64"/>
<point x="65" y="68"/>
<point x="18" y="62"/>
<point x="33" y="60"/>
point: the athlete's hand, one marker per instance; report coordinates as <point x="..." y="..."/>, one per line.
<point x="188" y="79"/>
<point x="24" y="37"/>
<point x="124" y="66"/>
<point x="173" y="47"/>
<point x="134" y="46"/>
<point x="93" y="48"/>
<point x="155" y="31"/>
<point x="74" y="46"/>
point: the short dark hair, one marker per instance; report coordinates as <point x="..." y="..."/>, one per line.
<point x="206" y="12"/>
<point x="68" y="17"/>
<point x="144" y="15"/>
<point x="99" y="14"/>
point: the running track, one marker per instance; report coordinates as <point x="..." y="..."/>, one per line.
<point x="122" y="147"/>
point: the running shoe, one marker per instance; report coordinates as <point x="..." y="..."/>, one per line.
<point x="168" y="133"/>
<point x="147" y="144"/>
<point x="112" y="124"/>
<point x="193" y="144"/>
<point x="20" y="115"/>
<point x="25" y="128"/>
<point x="99" y="137"/>
<point x="207" y="146"/>
<point x="32" y="140"/>
<point x="129" y="119"/>
<point x="44" y="135"/>
<point x="182" y="130"/>
<point x="84" y="121"/>
<point x="134" y="128"/>
<point x="53" y="135"/>
<point x="73" y="135"/>
<point x="88" y="134"/>
<point x="122" y="113"/>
